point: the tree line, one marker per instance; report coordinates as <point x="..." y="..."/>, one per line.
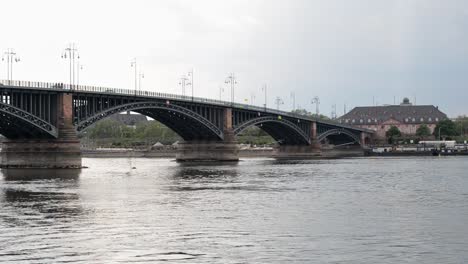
<point x="445" y="129"/>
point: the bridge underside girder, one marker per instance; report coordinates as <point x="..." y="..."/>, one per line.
<point x="13" y="127"/>
<point x="282" y="134"/>
<point x="187" y="128"/>
<point x="187" y="123"/>
<point x="340" y="139"/>
<point x="283" y="131"/>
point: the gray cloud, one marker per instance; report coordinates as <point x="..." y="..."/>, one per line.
<point x="343" y="51"/>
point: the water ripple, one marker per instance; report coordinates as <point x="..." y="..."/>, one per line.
<point x="366" y="210"/>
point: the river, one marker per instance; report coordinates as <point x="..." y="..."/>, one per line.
<point x="360" y="210"/>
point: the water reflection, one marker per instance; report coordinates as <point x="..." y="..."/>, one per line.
<point x="196" y="178"/>
<point x="207" y="163"/>
<point x="197" y="173"/>
<point x="40" y="195"/>
<point x="42" y="174"/>
<point x="255" y="212"/>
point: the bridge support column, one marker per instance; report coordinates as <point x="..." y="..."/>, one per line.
<point x="216" y="150"/>
<point x="365" y="140"/>
<point x="315" y="144"/>
<point x="62" y="152"/>
<point x="301" y="151"/>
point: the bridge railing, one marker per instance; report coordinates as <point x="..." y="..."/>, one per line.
<point x="158" y="95"/>
<point x="139" y="93"/>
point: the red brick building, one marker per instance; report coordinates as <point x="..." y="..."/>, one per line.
<point x="406" y="116"/>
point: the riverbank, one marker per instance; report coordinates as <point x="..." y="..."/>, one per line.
<point x="243" y="153"/>
<point x="165" y="153"/>
<point x="443" y="152"/>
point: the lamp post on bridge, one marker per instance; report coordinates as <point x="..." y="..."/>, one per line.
<point x="252" y="98"/>
<point x="316" y="101"/>
<point x="278" y="102"/>
<point x="221" y="90"/>
<point x="80" y="68"/>
<point x="141" y="75"/>
<point x="232" y="80"/>
<point x="293" y="97"/>
<point x="183" y="82"/>
<point x="133" y="64"/>
<point x="190" y="74"/>
<point x="333" y="112"/>
<point x="71" y="53"/>
<point x="264" y="89"/>
<point x="11" y="57"/>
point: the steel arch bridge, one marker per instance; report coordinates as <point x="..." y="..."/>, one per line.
<point x="32" y="110"/>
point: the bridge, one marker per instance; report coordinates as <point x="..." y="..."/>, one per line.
<point x="41" y="121"/>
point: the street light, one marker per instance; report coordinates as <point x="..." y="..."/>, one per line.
<point x="278" y="102"/>
<point x="133" y="64"/>
<point x="183" y="82"/>
<point x="333" y="112"/>
<point x="232" y="80"/>
<point x="80" y="68"/>
<point x="293" y="97"/>
<point x="190" y="74"/>
<point x="140" y="76"/>
<point x="10" y="56"/>
<point x="221" y="90"/>
<point x="264" y="89"/>
<point x="252" y="98"/>
<point x="316" y="101"/>
<point x="71" y="53"/>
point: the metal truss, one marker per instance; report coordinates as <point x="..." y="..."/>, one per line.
<point x="272" y="119"/>
<point x="338" y="131"/>
<point x="150" y="105"/>
<point x="30" y="119"/>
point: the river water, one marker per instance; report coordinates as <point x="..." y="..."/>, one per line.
<point x="362" y="210"/>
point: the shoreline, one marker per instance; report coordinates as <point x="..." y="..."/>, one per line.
<point x="171" y="153"/>
<point x="326" y="154"/>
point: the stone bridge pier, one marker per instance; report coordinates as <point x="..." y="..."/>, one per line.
<point x="212" y="150"/>
<point x="61" y="152"/>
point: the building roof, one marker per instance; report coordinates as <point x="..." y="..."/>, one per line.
<point x="404" y="113"/>
<point x="129" y="119"/>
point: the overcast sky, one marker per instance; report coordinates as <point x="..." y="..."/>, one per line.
<point x="345" y="52"/>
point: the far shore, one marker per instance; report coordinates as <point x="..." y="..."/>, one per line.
<point x="171" y="153"/>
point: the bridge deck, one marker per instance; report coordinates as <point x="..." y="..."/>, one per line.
<point x="61" y="87"/>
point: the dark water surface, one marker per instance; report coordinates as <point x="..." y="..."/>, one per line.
<point x="259" y="211"/>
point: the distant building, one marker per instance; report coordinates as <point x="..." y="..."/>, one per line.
<point x="406" y="116"/>
<point x="128" y="119"/>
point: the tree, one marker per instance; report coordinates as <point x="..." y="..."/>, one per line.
<point x="109" y="129"/>
<point x="392" y="134"/>
<point x="255" y="135"/>
<point x="155" y="131"/>
<point x="304" y="112"/>
<point x="301" y="112"/>
<point x="462" y="125"/>
<point x="423" y="131"/>
<point x="447" y="129"/>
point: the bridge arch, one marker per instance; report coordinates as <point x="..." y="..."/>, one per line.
<point x="338" y="132"/>
<point x="186" y="123"/>
<point x="283" y="131"/>
<point x="26" y="124"/>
